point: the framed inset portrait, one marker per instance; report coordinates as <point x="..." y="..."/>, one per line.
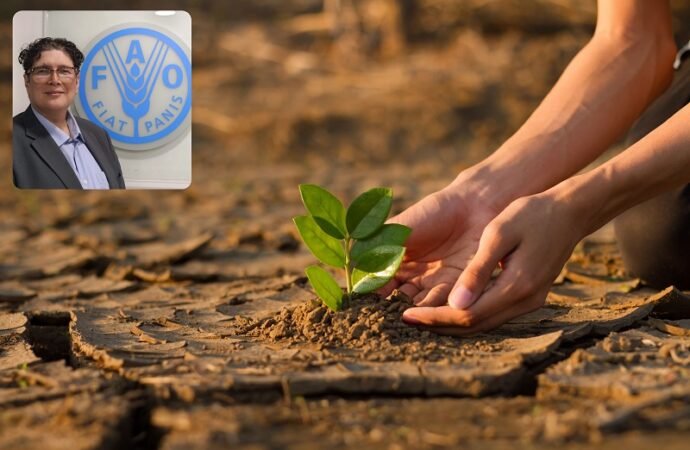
<point x="103" y="105"/>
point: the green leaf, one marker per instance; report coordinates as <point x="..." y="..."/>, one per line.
<point x="326" y="248"/>
<point x="327" y="210"/>
<point x="329" y="228"/>
<point x="326" y="287"/>
<point x="368" y="212"/>
<point x="378" y="258"/>
<point x="389" y="234"/>
<point x="368" y="282"/>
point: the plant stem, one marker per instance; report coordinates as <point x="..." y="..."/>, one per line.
<point x="348" y="273"/>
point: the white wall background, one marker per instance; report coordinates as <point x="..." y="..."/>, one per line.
<point x="168" y="167"/>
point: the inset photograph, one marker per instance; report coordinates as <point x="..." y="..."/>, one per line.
<point x="105" y="105"/>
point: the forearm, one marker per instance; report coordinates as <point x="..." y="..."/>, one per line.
<point x="600" y="94"/>
<point x="657" y="163"/>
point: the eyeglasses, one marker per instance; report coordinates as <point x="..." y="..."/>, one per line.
<point x="43" y="73"/>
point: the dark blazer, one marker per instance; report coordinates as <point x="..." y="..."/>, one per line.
<point x="38" y="162"/>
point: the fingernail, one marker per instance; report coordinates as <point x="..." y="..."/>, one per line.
<point x="460" y="298"/>
<point x="409" y="319"/>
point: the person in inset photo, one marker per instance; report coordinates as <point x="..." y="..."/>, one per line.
<point x="53" y="149"/>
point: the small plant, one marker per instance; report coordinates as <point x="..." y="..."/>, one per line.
<point x="356" y="240"/>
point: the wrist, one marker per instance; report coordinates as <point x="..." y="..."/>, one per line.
<point x="492" y="182"/>
<point x="588" y="199"/>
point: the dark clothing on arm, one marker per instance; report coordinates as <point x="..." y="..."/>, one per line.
<point x="654" y="237"/>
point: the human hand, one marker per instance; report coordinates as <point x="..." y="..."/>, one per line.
<point x="532" y="239"/>
<point x="446" y="228"/>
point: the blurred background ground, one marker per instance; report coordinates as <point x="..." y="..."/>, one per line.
<point x="317" y="88"/>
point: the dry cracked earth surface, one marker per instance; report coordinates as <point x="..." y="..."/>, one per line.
<point x="173" y="320"/>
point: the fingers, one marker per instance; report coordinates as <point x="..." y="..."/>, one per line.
<point x="439" y="316"/>
<point x="512" y="294"/>
<point x="489" y="324"/>
<point x="454" y="322"/>
<point x="436" y="296"/>
<point x="495" y="244"/>
<point x="494" y="302"/>
<point x="409" y="289"/>
<point x="424" y="218"/>
<point x="388" y="289"/>
<point x="522" y="287"/>
<point x="408" y="273"/>
<point x="418" y="214"/>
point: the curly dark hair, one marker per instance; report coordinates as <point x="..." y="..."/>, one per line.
<point x="32" y="52"/>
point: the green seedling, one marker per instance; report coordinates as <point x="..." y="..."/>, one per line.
<point x="356" y="240"/>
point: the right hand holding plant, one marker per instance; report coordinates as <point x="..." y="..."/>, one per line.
<point x="447" y="225"/>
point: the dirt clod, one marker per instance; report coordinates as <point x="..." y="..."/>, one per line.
<point x="372" y="325"/>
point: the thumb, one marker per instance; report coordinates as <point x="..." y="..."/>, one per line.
<point x="494" y="245"/>
<point x="423" y="217"/>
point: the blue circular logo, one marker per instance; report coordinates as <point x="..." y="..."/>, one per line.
<point x="137" y="84"/>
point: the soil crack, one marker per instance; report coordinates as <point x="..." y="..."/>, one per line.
<point x="47" y="333"/>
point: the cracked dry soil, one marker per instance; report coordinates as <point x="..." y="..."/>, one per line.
<point x="171" y="320"/>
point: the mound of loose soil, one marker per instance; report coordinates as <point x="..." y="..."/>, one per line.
<point x="372" y="325"/>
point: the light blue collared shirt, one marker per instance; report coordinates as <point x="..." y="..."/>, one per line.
<point x="76" y="152"/>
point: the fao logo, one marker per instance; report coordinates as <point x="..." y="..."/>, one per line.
<point x="137" y="84"/>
